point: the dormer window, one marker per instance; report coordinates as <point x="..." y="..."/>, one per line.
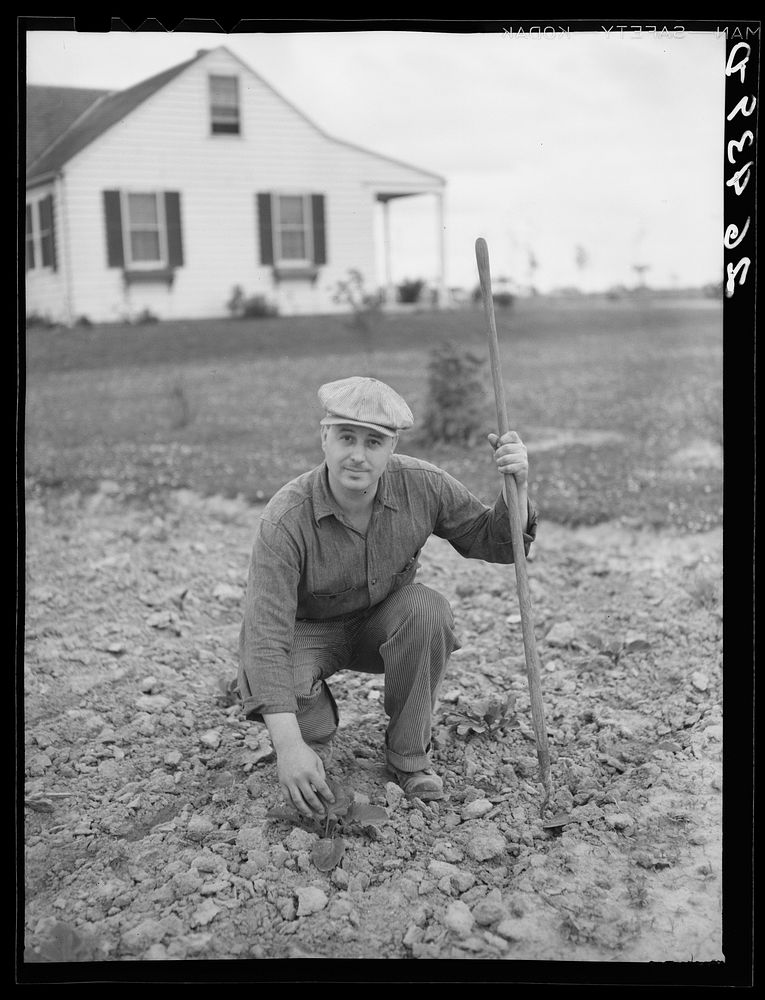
<point x="224" y="105"/>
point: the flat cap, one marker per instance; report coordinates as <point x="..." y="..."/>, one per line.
<point x="367" y="402"/>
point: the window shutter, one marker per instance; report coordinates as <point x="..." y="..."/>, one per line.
<point x="115" y="254"/>
<point x="174" y="236"/>
<point x="54" y="257"/>
<point x="265" y="229"/>
<point x="319" y="229"/>
<point x="48" y="224"/>
<point x="30" y="243"/>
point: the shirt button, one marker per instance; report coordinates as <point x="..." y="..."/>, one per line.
<point x="374" y="581"/>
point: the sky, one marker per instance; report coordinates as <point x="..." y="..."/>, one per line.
<point x="579" y="157"/>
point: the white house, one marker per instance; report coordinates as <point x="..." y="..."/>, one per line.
<point x="165" y="196"/>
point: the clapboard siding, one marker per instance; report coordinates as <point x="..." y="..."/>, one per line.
<point x="165" y="145"/>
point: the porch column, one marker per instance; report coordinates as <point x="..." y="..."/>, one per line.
<point x="441" y="276"/>
<point x="390" y="291"/>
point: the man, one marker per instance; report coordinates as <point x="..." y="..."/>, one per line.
<point x="332" y="586"/>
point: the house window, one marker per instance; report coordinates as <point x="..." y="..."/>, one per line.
<point x="144" y="230"/>
<point x="224" y="104"/>
<point x="40" y="234"/>
<point x="292" y="230"/>
<point x="143" y="233"/>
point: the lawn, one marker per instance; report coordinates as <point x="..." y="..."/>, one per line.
<point x="619" y="403"/>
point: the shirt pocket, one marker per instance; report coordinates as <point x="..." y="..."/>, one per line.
<point x="330" y="605"/>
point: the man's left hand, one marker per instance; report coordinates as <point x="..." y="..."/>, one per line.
<point x="510" y="456"/>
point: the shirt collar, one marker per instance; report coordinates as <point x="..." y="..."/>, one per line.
<point x="325" y="504"/>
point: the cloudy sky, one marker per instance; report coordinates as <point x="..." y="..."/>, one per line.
<point x="588" y="153"/>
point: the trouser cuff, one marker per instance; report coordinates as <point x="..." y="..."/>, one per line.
<point x="419" y="762"/>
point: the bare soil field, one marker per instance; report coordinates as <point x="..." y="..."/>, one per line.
<point x="148" y="835"/>
<point x="154" y="841"/>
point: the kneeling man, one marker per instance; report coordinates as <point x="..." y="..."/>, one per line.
<point x="332" y="586"/>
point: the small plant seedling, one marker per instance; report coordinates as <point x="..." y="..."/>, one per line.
<point x="345" y="813"/>
<point x="228" y="692"/>
<point x="614" y="649"/>
<point x="327" y="853"/>
<point x="557" y="821"/>
<point x="637" y="891"/>
<point x="485" y="716"/>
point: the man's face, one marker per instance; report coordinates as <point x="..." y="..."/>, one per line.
<point x="356" y="456"/>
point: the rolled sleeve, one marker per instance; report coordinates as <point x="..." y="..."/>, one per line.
<point x="265" y="665"/>
<point x="476" y="530"/>
<point x="502" y="513"/>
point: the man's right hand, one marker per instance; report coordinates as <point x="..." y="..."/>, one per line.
<point x="302" y="778"/>
<point x="300" y="770"/>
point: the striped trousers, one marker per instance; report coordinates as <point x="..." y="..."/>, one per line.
<point x="409" y="637"/>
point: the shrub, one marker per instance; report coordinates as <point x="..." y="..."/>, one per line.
<point x="501" y="300"/>
<point x="455" y="409"/>
<point x="145" y="318"/>
<point x="40" y="321"/>
<point x="409" y="291"/>
<point x="258" y="307"/>
<point x="253" y="307"/>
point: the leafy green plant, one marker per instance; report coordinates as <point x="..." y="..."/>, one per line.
<point x="228" y="692"/>
<point x="409" y="291"/>
<point x="705" y="590"/>
<point x="235" y="303"/>
<point x="258" y="307"/>
<point x="242" y="306"/>
<point x="503" y="300"/>
<point x="637" y="891"/>
<point x="617" y="647"/>
<point x="39" y="320"/>
<point x="146" y="318"/>
<point x="489" y="715"/>
<point x="346" y="813"/>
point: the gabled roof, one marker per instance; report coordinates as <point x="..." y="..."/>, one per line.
<point x="50" y="111"/>
<point x="110" y="107"/>
<point x="99" y="116"/>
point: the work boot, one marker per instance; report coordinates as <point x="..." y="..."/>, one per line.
<point x="425" y="784"/>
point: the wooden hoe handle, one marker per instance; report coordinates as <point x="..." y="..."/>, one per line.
<point x="533" y="668"/>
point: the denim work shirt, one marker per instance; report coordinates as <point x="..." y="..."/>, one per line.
<point x="308" y="562"/>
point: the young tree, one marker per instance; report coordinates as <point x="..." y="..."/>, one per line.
<point x="365" y="306"/>
<point x="581" y="258"/>
<point x="533" y="265"/>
